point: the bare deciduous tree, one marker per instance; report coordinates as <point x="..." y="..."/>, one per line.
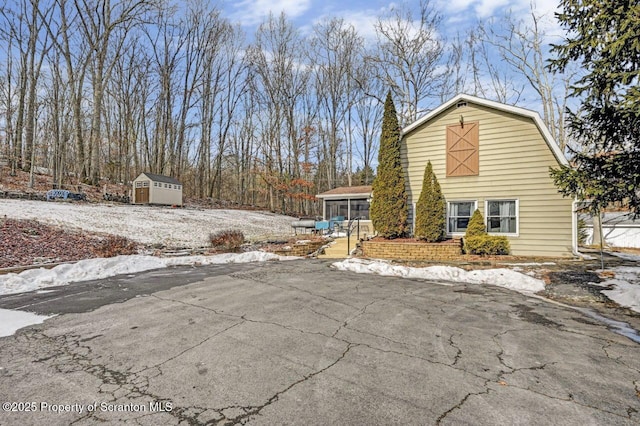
<point x="521" y="45"/>
<point x="409" y="55"/>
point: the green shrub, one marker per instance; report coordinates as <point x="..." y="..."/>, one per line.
<point x="486" y="245"/>
<point x="430" y="209"/>
<point x="476" y="225"/>
<point x="388" y="209"/>
<point x="227" y="241"/>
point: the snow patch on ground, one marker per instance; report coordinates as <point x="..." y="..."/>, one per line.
<point x="12" y="321"/>
<point x="626" y="287"/>
<point x="625" y="256"/>
<point x="506" y="278"/>
<point x="94" y="269"/>
<point x="171" y="227"/>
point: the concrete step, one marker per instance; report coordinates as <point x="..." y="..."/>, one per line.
<point x="338" y="250"/>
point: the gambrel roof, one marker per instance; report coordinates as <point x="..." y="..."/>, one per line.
<point x="553" y="146"/>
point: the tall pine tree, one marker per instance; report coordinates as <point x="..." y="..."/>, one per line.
<point x="430" y="209"/>
<point x="602" y="39"/>
<point x="389" y="204"/>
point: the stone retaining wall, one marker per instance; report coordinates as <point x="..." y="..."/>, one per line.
<point x="446" y="250"/>
<point x="300" y="249"/>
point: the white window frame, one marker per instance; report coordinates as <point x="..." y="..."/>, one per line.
<point x="475" y="207"/>
<point x="486" y="217"/>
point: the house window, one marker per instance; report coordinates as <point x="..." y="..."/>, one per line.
<point x="165" y="185"/>
<point x="138" y="184"/>
<point x="145" y="184"/>
<point x="463" y="149"/>
<point x="502" y="216"/>
<point x="458" y="215"/>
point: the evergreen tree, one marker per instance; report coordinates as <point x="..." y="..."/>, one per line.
<point x="602" y="39"/>
<point x="430" y="209"/>
<point x="389" y="204"/>
<point x="364" y="176"/>
<point x="476" y="227"/>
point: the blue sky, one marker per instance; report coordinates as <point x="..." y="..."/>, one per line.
<point x="457" y="14"/>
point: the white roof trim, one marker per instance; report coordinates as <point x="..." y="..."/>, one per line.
<point x="344" y="196"/>
<point x="551" y="143"/>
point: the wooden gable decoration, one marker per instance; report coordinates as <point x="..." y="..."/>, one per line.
<point x="462" y="149"/>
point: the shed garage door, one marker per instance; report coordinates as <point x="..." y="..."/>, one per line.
<point x="142" y="192"/>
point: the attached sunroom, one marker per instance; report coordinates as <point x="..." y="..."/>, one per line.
<point x="345" y="203"/>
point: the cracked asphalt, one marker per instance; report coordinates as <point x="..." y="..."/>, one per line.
<point x="300" y="343"/>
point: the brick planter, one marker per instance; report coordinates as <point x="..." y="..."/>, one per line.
<point x="300" y="249"/>
<point x="403" y="250"/>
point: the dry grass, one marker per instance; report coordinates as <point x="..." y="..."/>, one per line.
<point x="114" y="245"/>
<point x="227" y="240"/>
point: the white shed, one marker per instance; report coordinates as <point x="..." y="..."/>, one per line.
<point x="149" y="188"/>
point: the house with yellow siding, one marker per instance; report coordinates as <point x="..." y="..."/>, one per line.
<point x="495" y="158"/>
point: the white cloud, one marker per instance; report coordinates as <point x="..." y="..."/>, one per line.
<point x="363" y="22"/>
<point x="488" y="8"/>
<point x="252" y="12"/>
<point x="458" y="10"/>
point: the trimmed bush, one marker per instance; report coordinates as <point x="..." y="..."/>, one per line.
<point x="476" y="225"/>
<point x="227" y="241"/>
<point x="430" y="209"/>
<point x="388" y="210"/>
<point x="486" y="245"/>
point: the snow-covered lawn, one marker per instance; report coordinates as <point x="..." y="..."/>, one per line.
<point x="150" y="225"/>
<point x="626" y="283"/>
<point x="502" y="277"/>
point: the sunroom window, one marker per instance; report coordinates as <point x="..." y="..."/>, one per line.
<point x="502" y="216"/>
<point x="458" y="215"/>
<point x="360" y="208"/>
<point x="337" y="208"/>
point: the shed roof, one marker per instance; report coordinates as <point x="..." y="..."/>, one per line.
<point x="161" y="178"/>
<point x="548" y="138"/>
<point x="364" y="190"/>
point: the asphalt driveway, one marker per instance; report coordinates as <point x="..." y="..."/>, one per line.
<point x="300" y="343"/>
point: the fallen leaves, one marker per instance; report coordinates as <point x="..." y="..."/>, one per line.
<point x="29" y="242"/>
